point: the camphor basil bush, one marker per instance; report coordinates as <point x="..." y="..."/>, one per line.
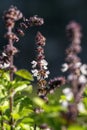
<point x="46" y="109"/>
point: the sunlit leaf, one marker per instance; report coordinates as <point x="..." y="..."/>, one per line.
<point x="24" y="74"/>
<point x="15" y="116"/>
<point x="25" y="126"/>
<point x="4" y="106"/>
<point x="20" y="88"/>
<point x="38" y="101"/>
<point x="27" y="120"/>
<point x="75" y="127"/>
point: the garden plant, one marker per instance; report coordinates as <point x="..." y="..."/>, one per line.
<point x="55" y="104"/>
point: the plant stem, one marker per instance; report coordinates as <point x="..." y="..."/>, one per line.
<point x="11" y="99"/>
<point x="35" y="127"/>
<point x="2" y="123"/>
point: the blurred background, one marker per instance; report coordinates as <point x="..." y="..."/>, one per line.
<point x="57" y="14"/>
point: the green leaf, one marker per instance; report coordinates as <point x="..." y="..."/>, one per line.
<point x="24" y="74"/>
<point x="6" y="76"/>
<point x="26" y="103"/>
<point x="15" y="116"/>
<point x="20" y="88"/>
<point x="24" y="126"/>
<point x="6" y="126"/>
<point x="75" y="127"/>
<point x="27" y="120"/>
<point x="4" y="106"/>
<point x="38" y="101"/>
<point x="29" y="89"/>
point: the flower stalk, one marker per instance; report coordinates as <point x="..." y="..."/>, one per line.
<point x="40" y="66"/>
<point x="77" y="71"/>
<point x="10" y="17"/>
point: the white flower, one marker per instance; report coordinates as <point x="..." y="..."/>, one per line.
<point x="46" y="74"/>
<point x="34" y="63"/>
<point x="44" y="63"/>
<point x="64" y="67"/>
<point x="66" y="90"/>
<point x="38" y="77"/>
<point x="81" y="107"/>
<point x="78" y="64"/>
<point x="68" y="93"/>
<point x="35" y="72"/>
<point x="3" y="54"/>
<point x="69" y="96"/>
<point x="4" y="66"/>
<point x="64" y="103"/>
<point x="70" y="77"/>
<point x="83" y="69"/>
<point x="45" y="67"/>
<point x="82" y="79"/>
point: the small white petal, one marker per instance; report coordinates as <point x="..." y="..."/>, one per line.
<point x="35" y="72"/>
<point x="66" y="90"/>
<point x="48" y="72"/>
<point x="82" y="79"/>
<point x="68" y="93"/>
<point x="44" y="62"/>
<point x="46" y="76"/>
<point x="4" y="54"/>
<point x="64" y="67"/>
<point x="34" y="63"/>
<point x="69" y="96"/>
<point x="33" y="66"/>
<point x="83" y="69"/>
<point x="45" y="67"/>
<point x="65" y="104"/>
<point x="6" y="65"/>
<point x="81" y="107"/>
<point x="38" y="77"/>
<point x="78" y="64"/>
<point x="70" y="77"/>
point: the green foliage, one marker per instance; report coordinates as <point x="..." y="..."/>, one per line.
<point x="24" y="74"/>
<point x="25" y="103"/>
<point x="23" y="106"/>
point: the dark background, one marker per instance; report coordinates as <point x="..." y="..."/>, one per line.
<point x="57" y="14"/>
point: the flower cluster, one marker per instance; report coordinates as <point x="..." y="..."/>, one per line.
<point x="10" y="17"/>
<point x="56" y="82"/>
<point x="33" y="21"/>
<point x="40" y="65"/>
<point x="82" y="68"/>
<point x="4" y="61"/>
<point x="78" y="71"/>
<point x="13" y="14"/>
<point x="27" y="23"/>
